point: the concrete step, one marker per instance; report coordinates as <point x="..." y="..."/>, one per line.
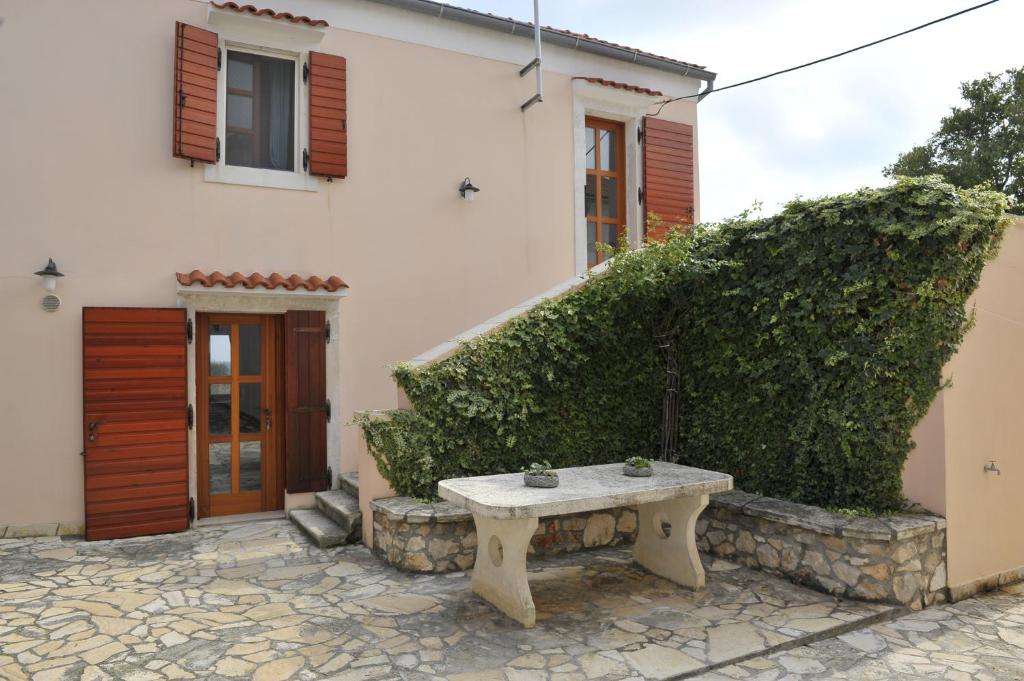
<point x="324" y="532"/>
<point x="342" y="508"/>
<point x="350" y="483"/>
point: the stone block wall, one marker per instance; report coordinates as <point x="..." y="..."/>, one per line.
<point x="896" y="559"/>
<point x="441" y="537"/>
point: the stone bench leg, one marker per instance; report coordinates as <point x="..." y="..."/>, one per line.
<point x="499" y="575"/>
<point x="673" y="556"/>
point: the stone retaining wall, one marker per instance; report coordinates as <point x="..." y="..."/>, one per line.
<point x="441" y="537"/>
<point x="899" y="559"/>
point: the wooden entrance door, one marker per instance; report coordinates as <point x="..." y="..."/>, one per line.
<point x="135" y="421"/>
<point x="237" y="416"/>
<point x="605" y="192"/>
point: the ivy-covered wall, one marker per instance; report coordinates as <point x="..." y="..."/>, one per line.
<point x="808" y="345"/>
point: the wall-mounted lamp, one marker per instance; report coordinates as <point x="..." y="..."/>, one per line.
<point x="467" y="190"/>
<point x="49" y="275"/>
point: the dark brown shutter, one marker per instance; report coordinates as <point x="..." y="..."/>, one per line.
<point x="305" y="369"/>
<point x="668" y="175"/>
<point x="328" y="118"/>
<point x="135" y="422"/>
<point x="195" y="93"/>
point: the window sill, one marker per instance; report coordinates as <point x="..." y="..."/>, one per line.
<point x="260" y="177"/>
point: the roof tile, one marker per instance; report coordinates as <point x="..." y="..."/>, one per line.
<point x="273" y="14"/>
<point x="620" y="86"/>
<point x="274" y="280"/>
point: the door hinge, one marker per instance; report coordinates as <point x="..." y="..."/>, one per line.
<point x="188" y="331"/>
<point x="218" y="150"/>
<point x="330" y="476"/>
<point x="327" y="410"/>
<point x="305" y="159"/>
<point x="327" y="332"/>
<point x="218" y="58"/>
<point x="191" y="509"/>
<point x="640" y="196"/>
<point x="639" y="135"/>
<point x="191" y="415"/>
<point x="305" y="72"/>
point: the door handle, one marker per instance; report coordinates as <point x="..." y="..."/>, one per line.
<point x="267" y="414"/>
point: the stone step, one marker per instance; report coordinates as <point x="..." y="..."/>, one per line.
<point x="342" y="508"/>
<point x="324" y="532"/>
<point x="349" y="482"/>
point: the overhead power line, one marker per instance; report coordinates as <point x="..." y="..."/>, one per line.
<point x="828" y="58"/>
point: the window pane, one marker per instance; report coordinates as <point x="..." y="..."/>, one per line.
<point x="220" y="409"/>
<point x="610" y="234"/>
<point x="609" y="197"/>
<point x="239" y="73"/>
<point x="590" y="149"/>
<point x="277" y="94"/>
<point x="220" y="350"/>
<point x="240" y="111"/>
<point x="240" y="150"/>
<point x="249" y="411"/>
<point x="220" y="468"/>
<point x="250" y="459"/>
<point x="250" y="349"/>
<point x="590" y="196"/>
<point x="608" y="149"/>
<point x="591" y="244"/>
<point x="269" y="113"/>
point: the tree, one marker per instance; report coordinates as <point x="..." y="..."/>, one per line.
<point x="981" y="143"/>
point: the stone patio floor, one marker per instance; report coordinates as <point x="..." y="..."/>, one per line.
<point x="259" y="601"/>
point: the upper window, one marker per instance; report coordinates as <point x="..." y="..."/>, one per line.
<point x="604" y="194"/>
<point x="260" y="116"/>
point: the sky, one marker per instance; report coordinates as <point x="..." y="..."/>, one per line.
<point x="827" y="129"/>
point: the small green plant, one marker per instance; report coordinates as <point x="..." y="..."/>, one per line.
<point x="638" y="462"/>
<point x="542" y="468"/>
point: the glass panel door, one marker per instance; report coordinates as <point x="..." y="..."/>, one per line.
<point x="236" y="413"/>
<point x="604" y="194"/>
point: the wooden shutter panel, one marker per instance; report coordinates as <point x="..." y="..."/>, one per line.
<point x="195" y="93"/>
<point x="135" y="423"/>
<point x="668" y="174"/>
<point x="328" y="117"/>
<point x="305" y="367"/>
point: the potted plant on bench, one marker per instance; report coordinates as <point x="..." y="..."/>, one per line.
<point x="637" y="467"/>
<point x="540" y="475"/>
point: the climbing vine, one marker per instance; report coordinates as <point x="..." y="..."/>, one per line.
<point x="808" y="345"/>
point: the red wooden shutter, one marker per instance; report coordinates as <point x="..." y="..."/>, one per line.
<point x="668" y="174"/>
<point x="135" y="421"/>
<point x="195" y="93"/>
<point x="328" y="118"/>
<point x="305" y="427"/>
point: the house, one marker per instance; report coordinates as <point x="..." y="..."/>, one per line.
<point x="252" y="211"/>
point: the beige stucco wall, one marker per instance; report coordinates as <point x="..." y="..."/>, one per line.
<point x="88" y="179"/>
<point x="976" y="420"/>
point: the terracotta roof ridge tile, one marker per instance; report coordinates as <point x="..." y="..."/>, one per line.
<point x="266" y="12"/>
<point x="269" y="282"/>
<point x="620" y="86"/>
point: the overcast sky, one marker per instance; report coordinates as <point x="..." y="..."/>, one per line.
<point x="822" y="130"/>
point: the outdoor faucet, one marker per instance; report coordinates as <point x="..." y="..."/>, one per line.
<point x="990" y="467"/>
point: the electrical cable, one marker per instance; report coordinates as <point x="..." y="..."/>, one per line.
<point x="830" y="57"/>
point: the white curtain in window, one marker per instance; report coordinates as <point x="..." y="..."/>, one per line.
<point x="278" y="74"/>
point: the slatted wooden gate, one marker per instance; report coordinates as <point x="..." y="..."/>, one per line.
<point x="135" y="421"/>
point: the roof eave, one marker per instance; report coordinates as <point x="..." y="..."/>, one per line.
<point x="576" y="42"/>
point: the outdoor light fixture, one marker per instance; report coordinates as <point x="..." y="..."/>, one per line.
<point x="49" y="275"/>
<point x="467" y="190"/>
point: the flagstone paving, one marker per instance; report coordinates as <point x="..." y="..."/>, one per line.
<point x="979" y="639"/>
<point x="259" y="601"/>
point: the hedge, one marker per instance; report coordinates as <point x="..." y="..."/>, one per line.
<point x="809" y="344"/>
